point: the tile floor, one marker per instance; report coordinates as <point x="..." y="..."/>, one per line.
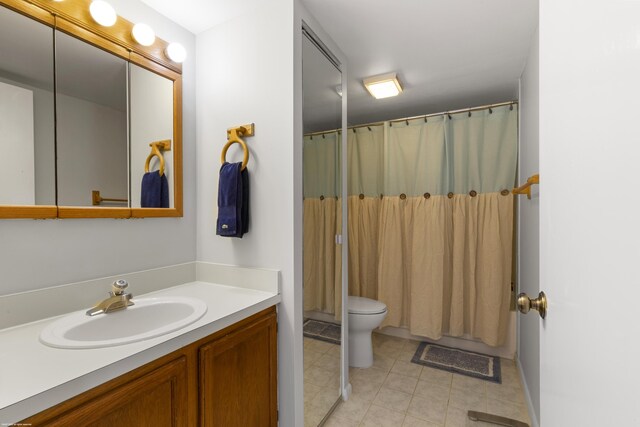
<point x="321" y="379"/>
<point x="395" y="392"/>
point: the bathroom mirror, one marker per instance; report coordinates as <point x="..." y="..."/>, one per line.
<point x="80" y="132"/>
<point x="322" y="222"/>
<point x="151" y="112"/>
<point x="91" y="124"/>
<point x="27" y="117"/>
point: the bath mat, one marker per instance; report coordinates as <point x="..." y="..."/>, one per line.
<point x="462" y="362"/>
<point x="323" y="331"/>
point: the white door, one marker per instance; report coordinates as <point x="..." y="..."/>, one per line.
<point x="590" y="212"/>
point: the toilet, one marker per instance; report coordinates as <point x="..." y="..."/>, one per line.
<point x="365" y="314"/>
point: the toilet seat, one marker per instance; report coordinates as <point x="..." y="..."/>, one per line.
<point x="361" y="305"/>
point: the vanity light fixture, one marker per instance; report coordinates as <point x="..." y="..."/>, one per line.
<point x="103" y="13"/>
<point x="176" y="52"/>
<point x="383" y="86"/>
<point x="143" y="34"/>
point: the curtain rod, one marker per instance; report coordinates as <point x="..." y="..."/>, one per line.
<point x="424" y="116"/>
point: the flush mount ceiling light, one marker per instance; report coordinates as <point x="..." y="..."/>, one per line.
<point x="103" y="13"/>
<point x="143" y="34"/>
<point x="176" y="52"/>
<point x="383" y="86"/>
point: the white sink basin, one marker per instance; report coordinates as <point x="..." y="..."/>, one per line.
<point x="148" y="318"/>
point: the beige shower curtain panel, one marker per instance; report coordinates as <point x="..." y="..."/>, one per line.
<point x="322" y="265"/>
<point x="431" y="222"/>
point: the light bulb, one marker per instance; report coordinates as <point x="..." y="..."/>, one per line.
<point x="176" y="52"/>
<point x="143" y="34"/>
<point x="103" y="13"/>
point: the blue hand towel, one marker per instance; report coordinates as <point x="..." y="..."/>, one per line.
<point x="233" y="201"/>
<point x="155" y="190"/>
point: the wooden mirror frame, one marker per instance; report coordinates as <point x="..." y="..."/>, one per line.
<point x="72" y="17"/>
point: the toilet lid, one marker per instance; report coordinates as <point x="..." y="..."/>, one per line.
<point x="361" y="305"/>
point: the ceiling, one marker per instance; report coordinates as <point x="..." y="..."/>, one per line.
<point x="321" y="104"/>
<point x="448" y="54"/>
<point x="200" y="15"/>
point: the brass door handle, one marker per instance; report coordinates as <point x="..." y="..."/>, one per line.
<point x="525" y="304"/>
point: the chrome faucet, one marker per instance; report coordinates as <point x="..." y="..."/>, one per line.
<point x="118" y="299"/>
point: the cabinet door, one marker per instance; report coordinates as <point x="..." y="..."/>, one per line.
<point x="238" y="377"/>
<point x="152" y="400"/>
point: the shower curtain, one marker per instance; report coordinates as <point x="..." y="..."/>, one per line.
<point x="322" y="265"/>
<point x="430" y="221"/>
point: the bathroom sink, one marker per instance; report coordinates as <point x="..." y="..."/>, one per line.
<point x="147" y="318"/>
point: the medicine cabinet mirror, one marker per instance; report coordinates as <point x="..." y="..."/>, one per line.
<point x="85" y="112"/>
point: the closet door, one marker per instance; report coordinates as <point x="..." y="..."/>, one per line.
<point x="324" y="207"/>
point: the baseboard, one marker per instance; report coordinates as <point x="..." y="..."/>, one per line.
<point x="323" y="317"/>
<point x="462" y="343"/>
<point x="527" y="396"/>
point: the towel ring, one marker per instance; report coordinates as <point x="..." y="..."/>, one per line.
<point x="233" y="136"/>
<point x="155" y="151"/>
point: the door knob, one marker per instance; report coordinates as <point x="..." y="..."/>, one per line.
<point x="525" y="304"/>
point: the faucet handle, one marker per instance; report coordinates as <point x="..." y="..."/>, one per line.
<point x="119" y="286"/>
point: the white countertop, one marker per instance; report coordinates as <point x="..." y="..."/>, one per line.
<point x="34" y="377"/>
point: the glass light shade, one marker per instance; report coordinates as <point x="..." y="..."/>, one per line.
<point x="176" y="52"/>
<point x="103" y="13"/>
<point x="143" y="34"/>
<point x="383" y="86"/>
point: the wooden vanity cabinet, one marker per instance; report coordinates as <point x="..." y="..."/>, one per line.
<point x="238" y="378"/>
<point x="226" y="379"/>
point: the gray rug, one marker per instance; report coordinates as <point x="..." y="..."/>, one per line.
<point x="462" y="362"/>
<point x="323" y="331"/>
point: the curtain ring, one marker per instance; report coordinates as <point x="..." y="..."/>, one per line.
<point x="449" y="116"/>
<point x="450" y="195"/>
<point x="425" y="119"/>
<point x="321" y="198"/>
<point x="490" y="111"/>
<point x="323" y="136"/>
<point x="354" y="130"/>
<point x="511" y="107"/>
<point x="505" y="192"/>
<point x="407" y="122"/>
<point x="337" y="198"/>
<point x="361" y="196"/>
<point x="473" y="193"/>
<point x="403" y="196"/>
<point x="427" y="195"/>
<point x="381" y="196"/>
<point x="369" y="127"/>
<point x="390" y="124"/>
<point x="311" y="137"/>
<point x="469" y="113"/>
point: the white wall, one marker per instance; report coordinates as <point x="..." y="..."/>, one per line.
<point x="529" y="227"/>
<point x="92" y="151"/>
<point x="245" y="74"/>
<point x="17" y="143"/>
<point x="44" y="141"/>
<point x="38" y="254"/>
